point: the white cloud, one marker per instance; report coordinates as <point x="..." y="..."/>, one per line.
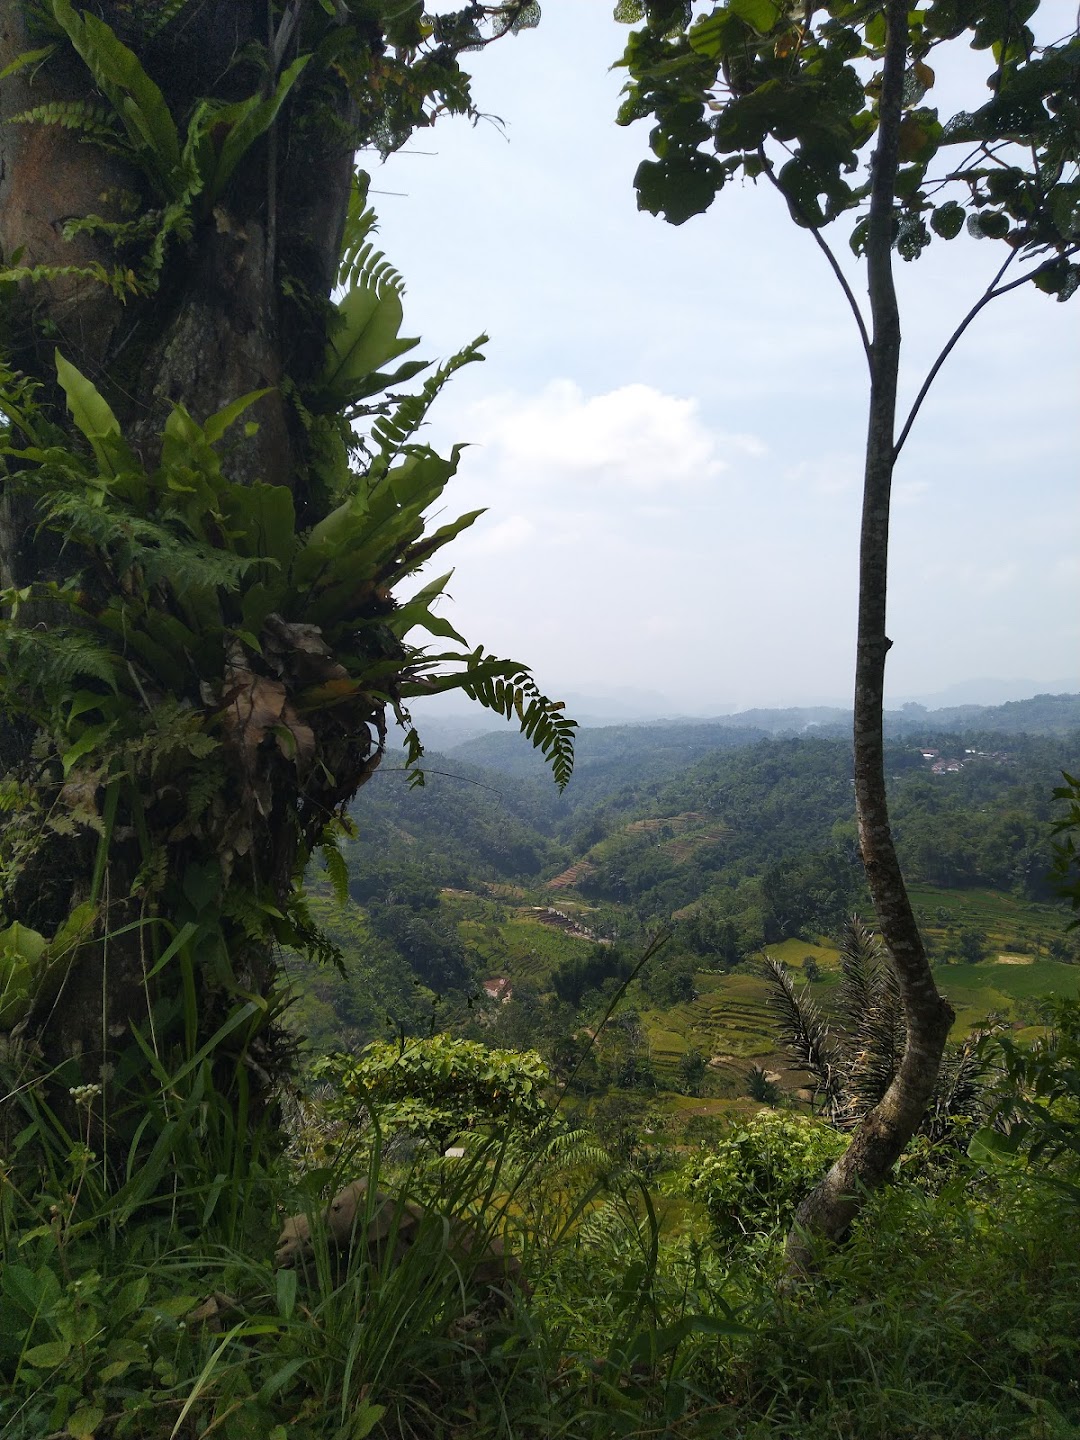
<point x="634" y="438"/>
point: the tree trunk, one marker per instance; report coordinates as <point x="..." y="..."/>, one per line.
<point x="876" y="1146"/>
<point x="221" y="323"/>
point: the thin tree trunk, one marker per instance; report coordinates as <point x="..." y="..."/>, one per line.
<point x="877" y="1144"/>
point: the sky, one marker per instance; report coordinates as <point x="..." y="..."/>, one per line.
<point x="667" y="431"/>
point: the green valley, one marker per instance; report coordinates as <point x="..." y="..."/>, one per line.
<point x="484" y="905"/>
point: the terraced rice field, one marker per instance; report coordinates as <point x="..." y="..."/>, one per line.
<point x="569" y="878"/>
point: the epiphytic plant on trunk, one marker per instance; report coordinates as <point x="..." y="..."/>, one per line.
<point x="212" y="490"/>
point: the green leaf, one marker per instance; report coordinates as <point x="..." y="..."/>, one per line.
<point x="88" y="741"/>
<point x="261" y="521"/>
<point x="365" y="342"/>
<point x="286" y="1282"/>
<point x="28" y="57"/>
<point x="716" y="34"/>
<point x="802" y="187"/>
<point x="35" y="1292"/>
<point x="246" y="121"/>
<point x="214" y="428"/>
<point x="49" y="1355"/>
<point x="364" y="1419"/>
<point x="19" y="940"/>
<point x="991" y="1147"/>
<point x="136" y="99"/>
<point x="762" y="15"/>
<point x="84" y="1423"/>
<point x="95" y="419"/>
<point x="679" y="187"/>
<point x="948" y="220"/>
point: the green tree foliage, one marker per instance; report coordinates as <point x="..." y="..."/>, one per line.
<point x="726" y="81"/>
<point x="1037" y="1111"/>
<point x="1066" y="866"/>
<point x="971" y="946"/>
<point x="692" y="1069"/>
<point x="573" y="979"/>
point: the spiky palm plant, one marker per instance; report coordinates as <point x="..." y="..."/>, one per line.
<point x="853" y="1054"/>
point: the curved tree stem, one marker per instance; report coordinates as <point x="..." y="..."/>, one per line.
<point x="828" y="1212"/>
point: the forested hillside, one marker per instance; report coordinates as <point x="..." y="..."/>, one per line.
<point x="486" y="873"/>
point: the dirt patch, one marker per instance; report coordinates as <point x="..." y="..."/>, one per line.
<point x="1016" y="959"/>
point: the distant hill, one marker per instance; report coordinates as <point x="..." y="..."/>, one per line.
<point x="1041" y="715"/>
<point x="613" y="756"/>
<point x="616" y="755"/>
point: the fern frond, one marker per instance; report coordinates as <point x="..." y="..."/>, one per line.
<point x="200" y="789"/>
<point x="159" y="14"/>
<point x="163" y="556"/>
<point x="509" y="689"/>
<point x="49" y="661"/>
<point x="393" y="432"/>
<point x="119" y="279"/>
<point x="576" y="1149"/>
<point x="361" y="263"/>
<point x="337" y="870"/>
<point x="96" y="123"/>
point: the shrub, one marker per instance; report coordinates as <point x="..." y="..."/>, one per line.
<point x="753" y="1181"/>
<point x="437" y="1087"/>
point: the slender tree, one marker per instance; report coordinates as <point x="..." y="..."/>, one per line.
<point x="826" y="104"/>
<point x="211" y="485"/>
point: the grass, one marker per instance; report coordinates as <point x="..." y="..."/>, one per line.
<point x="952" y="1314"/>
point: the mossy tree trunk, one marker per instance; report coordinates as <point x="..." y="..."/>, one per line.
<point x="222" y="320"/>
<point x="196" y="284"/>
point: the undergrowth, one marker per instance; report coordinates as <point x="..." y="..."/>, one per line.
<point x="953" y="1312"/>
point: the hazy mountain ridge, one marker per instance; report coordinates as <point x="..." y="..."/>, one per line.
<point x="663" y="746"/>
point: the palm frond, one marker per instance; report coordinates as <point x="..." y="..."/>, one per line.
<point x="962" y="1091"/>
<point x="862" y="956"/>
<point x="873" y="1012"/>
<point x="804" y="1032"/>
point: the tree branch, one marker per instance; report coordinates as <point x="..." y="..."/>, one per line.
<point x="826" y="250"/>
<point x="993" y="292"/>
